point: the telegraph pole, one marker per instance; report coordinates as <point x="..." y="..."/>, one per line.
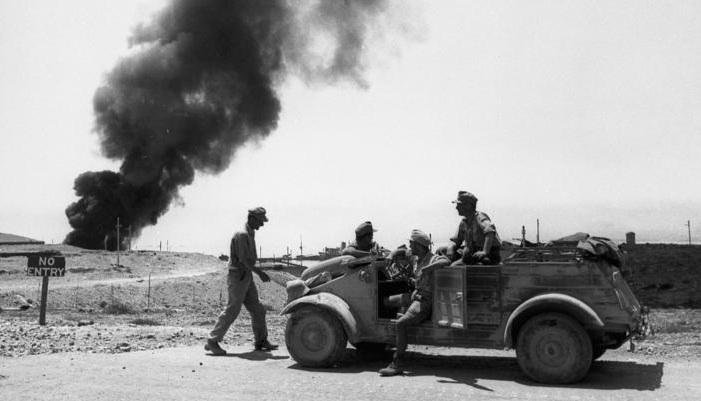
<point x="688" y="225"/>
<point x="301" y="250"/>
<point x="537" y="235"/>
<point x="523" y="236"/>
<point x="118" y="225"/>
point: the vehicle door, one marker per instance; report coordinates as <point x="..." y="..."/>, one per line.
<point x="468" y="298"/>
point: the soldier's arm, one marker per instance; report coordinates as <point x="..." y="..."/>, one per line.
<point x="437" y="263"/>
<point x="353" y="251"/>
<point x="488" y="242"/>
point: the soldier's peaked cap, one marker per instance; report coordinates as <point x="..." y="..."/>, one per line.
<point x="466" y="197"/>
<point x="420" y="237"/>
<point x="259" y="213"/>
<point x="364" y="229"/>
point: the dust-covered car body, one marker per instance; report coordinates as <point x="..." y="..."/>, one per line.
<point x="553" y="305"/>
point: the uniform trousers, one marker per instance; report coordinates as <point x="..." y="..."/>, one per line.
<point x="418" y="311"/>
<point x="242" y="291"/>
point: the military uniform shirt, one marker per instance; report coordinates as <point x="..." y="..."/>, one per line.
<point x="471" y="232"/>
<point x="242" y="250"/>
<point x="424" y="280"/>
<point x="353" y="246"/>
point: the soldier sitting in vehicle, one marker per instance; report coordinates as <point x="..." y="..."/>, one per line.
<point x="476" y="240"/>
<point x="420" y="308"/>
<point x="364" y="245"/>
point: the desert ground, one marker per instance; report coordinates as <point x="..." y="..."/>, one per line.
<point x="153" y="302"/>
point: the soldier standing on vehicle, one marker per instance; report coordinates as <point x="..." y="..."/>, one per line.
<point x="242" y="290"/>
<point x="364" y="245"/>
<point x="421" y="299"/>
<point x="476" y="240"/>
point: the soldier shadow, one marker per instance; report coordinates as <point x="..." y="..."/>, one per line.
<point x="252" y="356"/>
<point x="468" y="370"/>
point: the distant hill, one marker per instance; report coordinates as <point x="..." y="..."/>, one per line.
<point x="11" y="239"/>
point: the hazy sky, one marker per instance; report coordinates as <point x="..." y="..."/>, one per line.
<point x="585" y="115"/>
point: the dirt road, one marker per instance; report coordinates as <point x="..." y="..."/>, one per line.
<point x="186" y="373"/>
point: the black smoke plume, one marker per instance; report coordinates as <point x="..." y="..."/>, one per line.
<point x="199" y="82"/>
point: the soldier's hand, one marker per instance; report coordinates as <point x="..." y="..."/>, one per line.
<point x="263" y="276"/>
<point x="479" y="255"/>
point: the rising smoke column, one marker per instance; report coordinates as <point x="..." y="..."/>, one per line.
<point x="200" y="82"/>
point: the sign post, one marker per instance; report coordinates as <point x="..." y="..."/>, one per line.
<point x="45" y="266"/>
<point x="44" y="294"/>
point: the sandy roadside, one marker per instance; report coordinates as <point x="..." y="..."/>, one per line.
<point x="186" y="373"/>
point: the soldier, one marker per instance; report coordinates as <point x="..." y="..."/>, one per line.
<point x="421" y="304"/>
<point x="242" y="290"/>
<point x="476" y="240"/>
<point x="364" y="245"/>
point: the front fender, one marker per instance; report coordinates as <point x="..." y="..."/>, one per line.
<point x="331" y="303"/>
<point x="553" y="302"/>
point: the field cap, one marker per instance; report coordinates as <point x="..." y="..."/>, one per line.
<point x="466" y="197"/>
<point x="421" y="238"/>
<point x="258" y="213"/>
<point x="364" y="229"/>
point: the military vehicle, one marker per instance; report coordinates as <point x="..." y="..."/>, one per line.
<point x="559" y="307"/>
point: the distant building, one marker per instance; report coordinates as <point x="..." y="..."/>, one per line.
<point x="329" y="253"/>
<point x="630" y="238"/>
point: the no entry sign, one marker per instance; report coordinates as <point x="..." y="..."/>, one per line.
<point x="46" y="266"/>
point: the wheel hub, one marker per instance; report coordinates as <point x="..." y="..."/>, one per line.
<point x="553" y="351"/>
<point x="313" y="337"/>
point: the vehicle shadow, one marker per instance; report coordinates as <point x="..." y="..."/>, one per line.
<point x="468" y="370"/>
<point x="251" y="356"/>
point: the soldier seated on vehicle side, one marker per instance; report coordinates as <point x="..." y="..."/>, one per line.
<point x="421" y="299"/>
<point x="364" y="244"/>
<point x="476" y="240"/>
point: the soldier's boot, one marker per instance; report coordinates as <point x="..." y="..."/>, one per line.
<point x="214" y="348"/>
<point x="265" y="345"/>
<point x="394" y="368"/>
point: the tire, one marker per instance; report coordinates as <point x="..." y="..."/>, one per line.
<point x="553" y="348"/>
<point x="315" y="338"/>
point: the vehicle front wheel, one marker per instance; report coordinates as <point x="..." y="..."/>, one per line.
<point x="553" y="348"/>
<point x="314" y="337"/>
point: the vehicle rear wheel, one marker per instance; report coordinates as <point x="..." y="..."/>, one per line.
<point x="553" y="348"/>
<point x="314" y="337"/>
